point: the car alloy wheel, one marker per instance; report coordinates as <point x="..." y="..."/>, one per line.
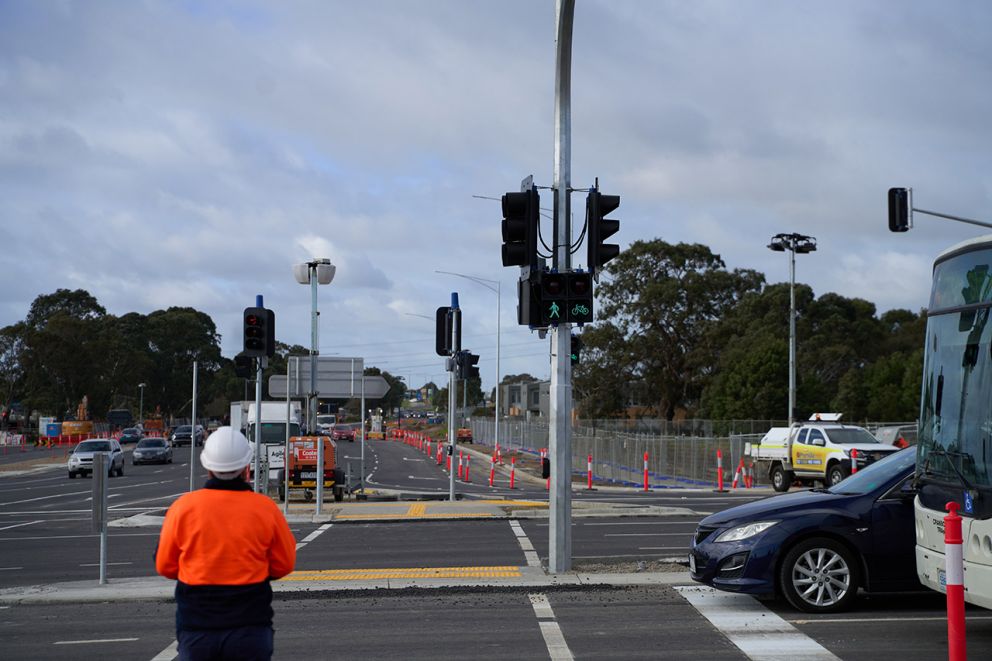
<point x="819" y="576"/>
<point x="835" y="475"/>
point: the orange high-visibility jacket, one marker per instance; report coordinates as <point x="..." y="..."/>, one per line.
<point x="225" y="537"/>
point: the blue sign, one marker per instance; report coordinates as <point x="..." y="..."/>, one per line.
<point x="969" y="505"/>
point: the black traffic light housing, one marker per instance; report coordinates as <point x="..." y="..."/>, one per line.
<point x="576" y="350"/>
<point x="599" y="228"/>
<point x="259" y="332"/>
<point x="466" y="362"/>
<point x="564" y="297"/>
<point x="242" y="366"/>
<point x="900" y="209"/>
<point x="521" y="226"/>
<point x="442" y="332"/>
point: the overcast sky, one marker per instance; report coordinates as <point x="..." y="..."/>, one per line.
<point x="189" y="153"/>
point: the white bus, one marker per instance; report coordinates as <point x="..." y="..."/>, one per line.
<point x="954" y="455"/>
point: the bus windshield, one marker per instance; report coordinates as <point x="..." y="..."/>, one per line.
<point x="955" y="445"/>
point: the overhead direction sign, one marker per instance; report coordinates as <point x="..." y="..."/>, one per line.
<point x="376" y="387"/>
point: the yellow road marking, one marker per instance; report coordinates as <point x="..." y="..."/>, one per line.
<point x="417" y="509"/>
<point x="508" y="571"/>
<point x="522" y="503"/>
<point x="408" y="515"/>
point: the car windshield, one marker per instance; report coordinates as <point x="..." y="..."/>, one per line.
<point x="93" y="446"/>
<point x="130" y="431"/>
<point x="871" y="477"/>
<point x="151" y="443"/>
<point x="185" y="429"/>
<point x="845" y="435"/>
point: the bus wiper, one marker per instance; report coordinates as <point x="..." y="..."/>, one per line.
<point x="972" y="491"/>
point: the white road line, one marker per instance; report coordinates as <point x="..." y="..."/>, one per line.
<point x="18" y="525"/>
<point x="759" y="633"/>
<point x="98" y="640"/>
<point x="316" y="533"/>
<point x="533" y="560"/>
<point x="97" y="564"/>
<point x="664" y="548"/>
<point x="10" y="568"/>
<point x="553" y="637"/>
<point x="872" y="620"/>
<point x="57" y="495"/>
<point x="640" y="523"/>
<point x="650" y="534"/>
<point x="94" y="534"/>
<point x="169" y="653"/>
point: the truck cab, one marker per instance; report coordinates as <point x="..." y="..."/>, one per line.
<point x="821" y="449"/>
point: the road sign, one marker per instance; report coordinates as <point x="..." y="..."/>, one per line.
<point x="376" y="387"/>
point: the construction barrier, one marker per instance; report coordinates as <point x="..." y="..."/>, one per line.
<point x="954" y="569"/>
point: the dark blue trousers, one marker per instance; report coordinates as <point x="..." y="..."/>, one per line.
<point x="241" y="644"/>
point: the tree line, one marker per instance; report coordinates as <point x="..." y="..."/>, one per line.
<point x="69" y="347"/>
<point x="682" y="336"/>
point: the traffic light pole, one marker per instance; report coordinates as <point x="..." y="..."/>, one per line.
<point x="456" y="319"/>
<point x="560" y="433"/>
<point x="257" y="436"/>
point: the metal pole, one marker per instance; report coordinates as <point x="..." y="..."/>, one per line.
<point x="141" y="407"/>
<point x="312" y="399"/>
<point x="361" y="479"/>
<point x="192" y="435"/>
<point x="792" y="332"/>
<point x="257" y="435"/>
<point x="285" y="452"/>
<point x="560" y="433"/>
<point x="456" y="319"/>
<point x="499" y="313"/>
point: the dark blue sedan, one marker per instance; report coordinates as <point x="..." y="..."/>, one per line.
<point x="816" y="548"/>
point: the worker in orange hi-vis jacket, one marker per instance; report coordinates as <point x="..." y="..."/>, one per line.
<point x="224" y="544"/>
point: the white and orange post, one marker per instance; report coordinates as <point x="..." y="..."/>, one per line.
<point x="459" y="464"/>
<point x="513" y="471"/>
<point x="719" y="471"/>
<point x="737" y="474"/>
<point x="589" y="473"/>
<point x="646" y="485"/>
<point x="468" y="463"/>
<point x="954" y="568"/>
<point x="854" y="461"/>
<point x="492" y="471"/>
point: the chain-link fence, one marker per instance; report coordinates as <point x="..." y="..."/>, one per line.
<point x="619" y="451"/>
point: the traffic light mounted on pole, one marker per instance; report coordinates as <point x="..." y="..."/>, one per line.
<point x="576" y="349"/>
<point x="259" y="332"/>
<point x="521" y="226"/>
<point x="900" y="207"/>
<point x="599" y="228"/>
<point x="565" y="297"/>
<point x="465" y="364"/>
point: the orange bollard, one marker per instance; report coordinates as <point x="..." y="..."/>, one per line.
<point x="492" y="471"/>
<point x="589" y="473"/>
<point x="646" y="487"/>
<point x="513" y="471"/>
<point x="954" y="568"/>
<point x="468" y="463"/>
<point x="719" y="471"/>
<point x="854" y="461"/>
<point x="738" y="473"/>
<point x="459" y="464"/>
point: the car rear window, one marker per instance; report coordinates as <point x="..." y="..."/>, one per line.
<point x="151" y="443"/>
<point x="93" y="446"/>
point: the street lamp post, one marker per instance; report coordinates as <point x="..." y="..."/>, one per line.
<point x="315" y="272"/>
<point x="488" y="284"/>
<point x="141" y="406"/>
<point x="802" y="244"/>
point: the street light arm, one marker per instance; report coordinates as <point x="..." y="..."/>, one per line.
<point x="485" y="282"/>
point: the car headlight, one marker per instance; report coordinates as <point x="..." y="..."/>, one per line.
<point x="738" y="533"/>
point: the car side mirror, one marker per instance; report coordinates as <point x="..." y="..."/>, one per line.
<point x="819" y="442"/>
<point x="907" y="491"/>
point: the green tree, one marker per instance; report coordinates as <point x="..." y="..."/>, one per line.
<point x="176" y="337"/>
<point x="662" y="298"/>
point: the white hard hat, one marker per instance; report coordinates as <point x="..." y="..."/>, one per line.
<point x="225" y="451"/>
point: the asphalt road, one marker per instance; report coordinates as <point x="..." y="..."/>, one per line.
<point x="45" y="537"/>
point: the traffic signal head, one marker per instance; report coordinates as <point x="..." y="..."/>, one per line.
<point x="599" y="228"/>
<point x="259" y="332"/>
<point x="900" y="209"/>
<point x="576" y="349"/>
<point x="565" y="297"/>
<point x="521" y="225"/>
<point x="465" y="363"/>
<point x="242" y="366"/>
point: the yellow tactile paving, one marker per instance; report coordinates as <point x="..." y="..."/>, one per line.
<point x="521" y="503"/>
<point x="508" y="571"/>
<point x="417" y="509"/>
<point x="408" y="515"/>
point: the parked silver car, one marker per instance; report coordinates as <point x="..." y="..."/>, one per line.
<point x="152" y="450"/>
<point x="81" y="459"/>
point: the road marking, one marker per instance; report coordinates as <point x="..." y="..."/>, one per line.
<point x="508" y="571"/>
<point x="18" y="525"/>
<point x="553" y="637"/>
<point x="642" y="523"/>
<point x="57" y="495"/>
<point x="98" y="640"/>
<point x="97" y="564"/>
<point x="755" y="630"/>
<point x="533" y="560"/>
<point x="23" y="539"/>
<point x="854" y="620"/>
<point x="317" y="533"/>
<point x="169" y="653"/>
<point x="662" y="548"/>
<point x="10" y="568"/>
<point x="649" y="534"/>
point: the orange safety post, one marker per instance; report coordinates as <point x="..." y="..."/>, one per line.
<point x="468" y="463"/>
<point x="646" y="488"/>
<point x="954" y="571"/>
<point x="854" y="461"/>
<point x="589" y="473"/>
<point x="459" y="464"/>
<point x="492" y="470"/>
<point x="737" y="473"/>
<point x="513" y="471"/>
<point x="719" y="471"/>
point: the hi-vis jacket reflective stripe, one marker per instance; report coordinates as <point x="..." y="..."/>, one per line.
<point x="225" y="537"/>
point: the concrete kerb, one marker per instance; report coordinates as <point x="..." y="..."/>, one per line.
<point x="161" y="589"/>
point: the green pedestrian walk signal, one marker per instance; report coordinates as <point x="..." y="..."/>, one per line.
<point x="565" y="298"/>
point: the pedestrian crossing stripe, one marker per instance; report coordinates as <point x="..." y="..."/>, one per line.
<point x="508" y="571"/>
